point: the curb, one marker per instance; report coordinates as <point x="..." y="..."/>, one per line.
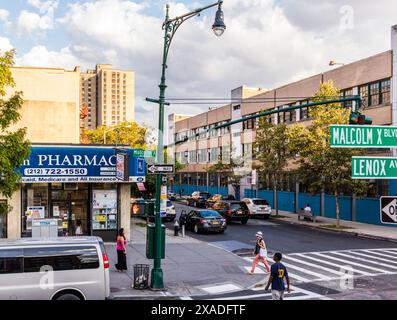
<point x="352" y="233"/>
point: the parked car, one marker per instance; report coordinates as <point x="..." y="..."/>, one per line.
<point x="203" y="220"/>
<point x="80" y="268"/>
<point x="198" y="199"/>
<point x="172" y="196"/>
<point x="217" y="197"/>
<point x="233" y="210"/>
<point x="171" y="212"/>
<point x="258" y="207"/>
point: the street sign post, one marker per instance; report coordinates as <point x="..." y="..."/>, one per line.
<point x="345" y="136"/>
<point x="374" y="168"/>
<point x="144" y="153"/>
<point x="388" y="210"/>
<point x="160" y="169"/>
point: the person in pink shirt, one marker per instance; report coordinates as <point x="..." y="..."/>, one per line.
<point x="121" y="248"/>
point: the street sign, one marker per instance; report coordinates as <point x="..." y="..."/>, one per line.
<point x="163" y="202"/>
<point x="388" y="210"/>
<point x="160" y="168"/>
<point x="254" y="177"/>
<point x="144" y="153"/>
<point x="374" y="168"/>
<point x="345" y="136"/>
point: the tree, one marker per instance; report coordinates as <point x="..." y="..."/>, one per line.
<point x="230" y="167"/>
<point x="129" y="133"/>
<point x="272" y="151"/>
<point x="14" y="147"/>
<point x="321" y="167"/>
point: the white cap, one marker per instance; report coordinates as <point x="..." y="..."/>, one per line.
<point x="259" y="234"/>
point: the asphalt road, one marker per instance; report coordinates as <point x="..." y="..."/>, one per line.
<point x="283" y="237"/>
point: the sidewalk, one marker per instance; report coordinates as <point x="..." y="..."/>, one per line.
<point x="354" y="228"/>
<point x="191" y="267"/>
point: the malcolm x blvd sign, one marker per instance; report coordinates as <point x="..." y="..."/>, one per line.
<point x="374" y="168"/>
<point x="345" y="136"/>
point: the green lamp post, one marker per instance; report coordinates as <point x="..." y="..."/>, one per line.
<point x="170" y="26"/>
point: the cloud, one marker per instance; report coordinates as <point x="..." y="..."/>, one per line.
<point x="267" y="43"/>
<point x="30" y="22"/>
<point x="5" y="44"/>
<point x="44" y="6"/>
<point x="40" y="56"/>
<point x="4" y="15"/>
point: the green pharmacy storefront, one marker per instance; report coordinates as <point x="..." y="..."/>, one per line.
<point x="79" y="186"/>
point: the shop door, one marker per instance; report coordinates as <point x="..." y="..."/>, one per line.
<point x="72" y="211"/>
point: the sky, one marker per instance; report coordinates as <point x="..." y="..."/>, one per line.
<point x="267" y="43"/>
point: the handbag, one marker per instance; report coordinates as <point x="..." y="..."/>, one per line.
<point x="263" y="253"/>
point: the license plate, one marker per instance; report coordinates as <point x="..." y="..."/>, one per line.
<point x="239" y="212"/>
<point x="216" y="222"/>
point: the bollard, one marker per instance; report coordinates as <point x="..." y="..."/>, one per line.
<point x="183" y="231"/>
<point x="176" y="228"/>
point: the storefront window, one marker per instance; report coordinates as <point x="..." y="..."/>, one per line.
<point x="34" y="205"/>
<point x="104" y="207"/>
<point x="3" y="222"/>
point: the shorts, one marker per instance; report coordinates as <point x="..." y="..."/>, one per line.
<point x="277" y="295"/>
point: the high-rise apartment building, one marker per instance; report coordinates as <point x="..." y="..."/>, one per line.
<point x="107" y="96"/>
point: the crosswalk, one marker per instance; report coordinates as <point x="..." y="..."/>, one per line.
<point x="260" y="294"/>
<point x="335" y="265"/>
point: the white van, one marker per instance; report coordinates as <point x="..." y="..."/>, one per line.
<point x="74" y="268"/>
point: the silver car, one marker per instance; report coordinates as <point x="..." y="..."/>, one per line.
<point x="74" y="268"/>
<point x="258" y="207"/>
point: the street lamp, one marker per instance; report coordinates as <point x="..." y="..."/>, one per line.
<point x="170" y="26"/>
<point x="111" y="129"/>
<point x="334" y="63"/>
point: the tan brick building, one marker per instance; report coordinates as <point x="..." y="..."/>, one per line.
<point x="109" y="96"/>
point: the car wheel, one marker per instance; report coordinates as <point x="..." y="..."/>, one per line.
<point x="68" y="296"/>
<point x="172" y="219"/>
<point x="222" y="231"/>
<point x="228" y="221"/>
<point x="266" y="217"/>
<point x="244" y="221"/>
<point x="196" y="229"/>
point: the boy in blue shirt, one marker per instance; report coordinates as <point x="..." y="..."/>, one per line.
<point x="276" y="279"/>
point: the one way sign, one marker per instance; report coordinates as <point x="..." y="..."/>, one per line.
<point x="388" y="208"/>
<point x="160" y="169"/>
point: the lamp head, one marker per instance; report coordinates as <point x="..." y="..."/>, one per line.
<point x="219" y="26"/>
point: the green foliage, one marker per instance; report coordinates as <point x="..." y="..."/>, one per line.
<point x="321" y="167"/>
<point x="14" y="147"/>
<point x="128" y="133"/>
<point x="271" y="149"/>
<point x="229" y="166"/>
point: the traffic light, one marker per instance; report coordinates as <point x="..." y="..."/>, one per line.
<point x="359" y="119"/>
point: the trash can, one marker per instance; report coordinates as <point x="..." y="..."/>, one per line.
<point x="141" y="276"/>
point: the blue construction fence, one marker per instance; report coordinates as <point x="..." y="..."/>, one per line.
<point x="367" y="209"/>
<point x="187" y="190"/>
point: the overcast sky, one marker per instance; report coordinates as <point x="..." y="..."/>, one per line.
<point x="267" y="42"/>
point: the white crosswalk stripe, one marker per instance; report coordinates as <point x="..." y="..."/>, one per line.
<point x="335" y="265"/>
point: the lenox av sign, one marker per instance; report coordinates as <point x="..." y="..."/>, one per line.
<point x="78" y="164"/>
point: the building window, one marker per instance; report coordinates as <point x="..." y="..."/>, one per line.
<point x="193" y="156"/>
<point x="202" y="156"/>
<point x="249" y="124"/>
<point x="214" y="155"/>
<point x="385" y="92"/>
<point x="364" y="95"/>
<point x="346" y="94"/>
<point x="374" y="94"/>
<point x="235" y="108"/>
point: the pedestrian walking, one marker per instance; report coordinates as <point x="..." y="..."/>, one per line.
<point x="260" y="253"/>
<point x="121" y="248"/>
<point x="276" y="279"/>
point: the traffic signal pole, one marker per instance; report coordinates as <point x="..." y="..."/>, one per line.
<point x="357" y="99"/>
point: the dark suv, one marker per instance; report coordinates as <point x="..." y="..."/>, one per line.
<point x="233" y="210"/>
